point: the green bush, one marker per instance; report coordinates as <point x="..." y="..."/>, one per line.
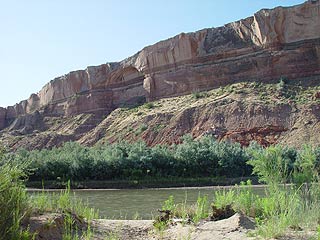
<point x="270" y="165"/>
<point x="149" y="105"/>
<point x="133" y="161"/>
<point x="141" y="129"/>
<point x="13" y="201"/>
<point x="286" y="206"/>
<point x="224" y="197"/>
<point x="201" y="210"/>
<point x="16" y="205"/>
<point x="198" y="95"/>
<point x="204" y="157"/>
<point x="169" y="204"/>
<point x="306" y="166"/>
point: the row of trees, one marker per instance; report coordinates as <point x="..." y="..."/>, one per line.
<point x="193" y="158"/>
<point x="123" y="160"/>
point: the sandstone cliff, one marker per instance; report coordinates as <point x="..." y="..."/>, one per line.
<point x="282" y="42"/>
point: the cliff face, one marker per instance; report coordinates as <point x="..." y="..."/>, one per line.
<point x="282" y="42"/>
<point x="2" y="117"/>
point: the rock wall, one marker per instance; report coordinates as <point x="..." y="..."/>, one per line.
<point x="282" y="42"/>
<point x="2" y="117"/>
<point x="265" y="47"/>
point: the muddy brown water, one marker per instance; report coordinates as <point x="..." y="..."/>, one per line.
<point x="141" y="203"/>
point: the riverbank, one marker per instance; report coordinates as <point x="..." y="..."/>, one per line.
<point x="141" y="184"/>
<point x="220" y="187"/>
<point x="233" y="228"/>
<point x="236" y="227"/>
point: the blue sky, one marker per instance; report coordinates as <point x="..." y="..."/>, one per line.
<point x="43" y="39"/>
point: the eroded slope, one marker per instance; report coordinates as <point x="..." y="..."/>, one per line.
<point x="243" y="112"/>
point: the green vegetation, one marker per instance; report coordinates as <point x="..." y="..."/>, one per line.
<point x="201" y="211"/>
<point x="284" y="92"/>
<point x="45" y="202"/>
<point x="198" y="95"/>
<point x="187" y="213"/>
<point x="204" y="158"/>
<point x="149" y="105"/>
<point x="141" y="129"/>
<point x="294" y="206"/>
<point x="139" y="105"/>
<point x="16" y="206"/>
<point x="13" y="202"/>
<point x="157" y="128"/>
<point x="291" y="200"/>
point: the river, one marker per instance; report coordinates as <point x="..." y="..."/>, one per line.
<point x="141" y="203"/>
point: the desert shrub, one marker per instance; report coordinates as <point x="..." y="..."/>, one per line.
<point x="188" y="212"/>
<point x="141" y="129"/>
<point x="281" y="84"/>
<point x="205" y="157"/>
<point x="149" y="105"/>
<point x="270" y="165"/>
<point x="194" y="158"/>
<point x="286" y="206"/>
<point x="306" y="166"/>
<point x="16" y="205"/>
<point x="198" y="95"/>
<point x="224" y="197"/>
<point x="169" y="204"/>
<point x="13" y="201"/>
<point x="201" y="209"/>
<point x="162" y="161"/>
<point x="232" y="156"/>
